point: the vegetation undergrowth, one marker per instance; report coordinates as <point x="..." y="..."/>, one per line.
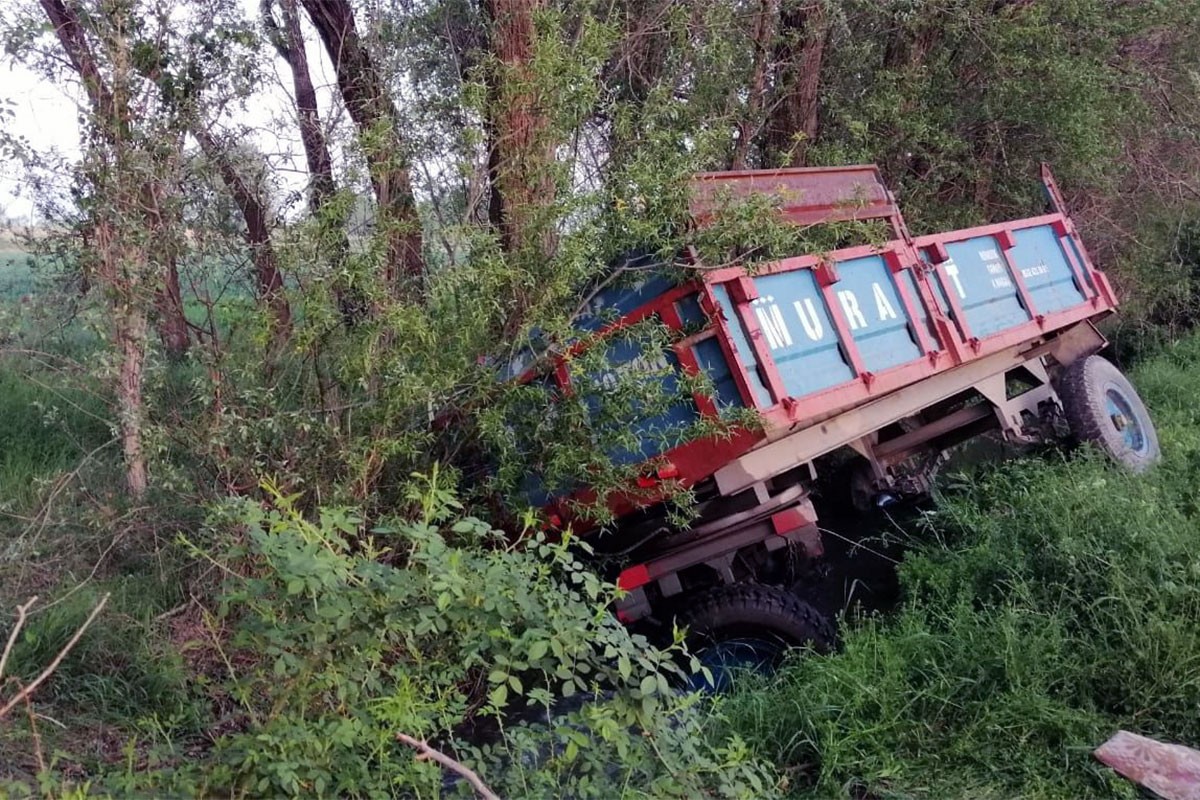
<point x="329" y="640"/>
<point x="1047" y="603"/>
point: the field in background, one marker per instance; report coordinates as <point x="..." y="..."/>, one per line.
<point x="17" y="277"/>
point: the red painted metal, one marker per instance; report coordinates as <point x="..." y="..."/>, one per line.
<point x="633" y="577"/>
<point x="788" y="520"/>
<point x="897" y="264"/>
<point x="805" y="196"/>
<point x="1019" y="280"/>
<point x="741" y="377"/>
<point x="845" y="338"/>
<point x="762" y="353"/>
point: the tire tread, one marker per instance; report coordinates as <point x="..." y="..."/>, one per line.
<point x="1080" y="389"/>
<point x="753" y="603"/>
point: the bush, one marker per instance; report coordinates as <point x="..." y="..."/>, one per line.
<point x="501" y="654"/>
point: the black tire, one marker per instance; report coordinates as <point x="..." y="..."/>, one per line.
<point x="1104" y="409"/>
<point x="763" y="621"/>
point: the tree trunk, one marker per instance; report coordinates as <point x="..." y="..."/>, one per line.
<point x="113" y="125"/>
<point x="257" y="233"/>
<point x="522" y="156"/>
<point x="121" y="266"/>
<point x="170" y="320"/>
<point x="370" y="106"/>
<point x="795" y="117"/>
<point x="751" y="121"/>
<point x="637" y="66"/>
<point x="908" y="49"/>
<point x="131" y="336"/>
<point x="289" y="43"/>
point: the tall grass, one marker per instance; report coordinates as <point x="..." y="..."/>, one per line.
<point x="1050" y="602"/>
<point x="43" y="429"/>
<point x="17" y="275"/>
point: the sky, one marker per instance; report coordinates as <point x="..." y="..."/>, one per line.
<point x="45" y="114"/>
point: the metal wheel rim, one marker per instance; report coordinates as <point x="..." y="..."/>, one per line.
<point x="1124" y="421"/>
<point x="727" y="657"/>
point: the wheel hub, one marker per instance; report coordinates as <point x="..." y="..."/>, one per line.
<point x="1120" y="414"/>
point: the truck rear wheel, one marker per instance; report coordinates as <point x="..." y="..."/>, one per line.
<point x="1103" y="408"/>
<point x="750" y="627"/>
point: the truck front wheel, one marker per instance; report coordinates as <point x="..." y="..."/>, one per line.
<point x="750" y="627"/>
<point x="1103" y="408"/>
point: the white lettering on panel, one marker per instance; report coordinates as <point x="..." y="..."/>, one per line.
<point x="882" y="304"/>
<point x="809" y="319"/>
<point x="772" y="324"/>
<point x="854" y="314"/>
<point x="952" y="271"/>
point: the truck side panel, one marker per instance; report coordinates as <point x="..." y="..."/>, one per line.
<point x="804" y="338"/>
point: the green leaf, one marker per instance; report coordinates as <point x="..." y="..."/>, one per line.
<point x="624" y="666"/>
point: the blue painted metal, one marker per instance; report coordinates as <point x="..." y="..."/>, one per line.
<point x="796" y="321"/>
<point x="657" y="428"/>
<point x="910" y="284"/>
<point x="977" y="274"/>
<point x="876" y="316"/>
<point x="711" y="359"/>
<point x="1120" y="412"/>
<point x="645" y="282"/>
<point x="1048" y="276"/>
<point x="797" y="325"/>
<point x="741" y="343"/>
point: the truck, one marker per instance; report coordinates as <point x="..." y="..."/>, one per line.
<point x="882" y="356"/>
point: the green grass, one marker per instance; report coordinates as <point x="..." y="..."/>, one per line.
<point x="1049" y="603"/>
<point x="46" y="429"/>
<point x="116" y="672"/>
<point x="17" y="275"/>
<point x="123" y="676"/>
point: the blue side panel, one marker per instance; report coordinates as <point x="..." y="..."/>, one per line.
<point x="689" y="310"/>
<point x="742" y="344"/>
<point x="877" y="319"/>
<point x="618" y="300"/>
<point x="711" y="360"/>
<point x="647" y="435"/>
<point x="1079" y="260"/>
<point x="978" y="275"/>
<point x="1048" y="276"/>
<point x="796" y="325"/>
<point x="910" y="284"/>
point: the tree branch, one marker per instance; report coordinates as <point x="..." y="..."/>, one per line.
<point x="22" y="612"/>
<point x="48" y="671"/>
<point x="427" y="753"/>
